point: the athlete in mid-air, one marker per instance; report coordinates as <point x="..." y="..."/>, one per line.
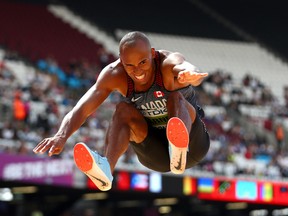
<point x="158" y="116"/>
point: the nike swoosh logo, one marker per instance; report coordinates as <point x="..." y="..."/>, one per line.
<point x="178" y="167"/>
<point x="135" y="99"/>
<point x="100" y="180"/>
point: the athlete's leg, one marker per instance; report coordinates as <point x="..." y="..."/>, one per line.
<point x="181" y="116"/>
<point x="128" y="124"/>
<point x="178" y="107"/>
<point x="199" y="142"/>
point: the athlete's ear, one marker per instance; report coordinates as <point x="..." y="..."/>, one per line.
<point x="120" y="59"/>
<point x="153" y="52"/>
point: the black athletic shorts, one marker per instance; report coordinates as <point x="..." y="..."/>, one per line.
<point x="154" y="154"/>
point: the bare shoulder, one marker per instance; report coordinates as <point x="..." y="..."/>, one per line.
<point x="170" y="58"/>
<point x="164" y="54"/>
<point x="168" y="62"/>
<point x="114" y="77"/>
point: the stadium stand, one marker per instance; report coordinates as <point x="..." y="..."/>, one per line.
<point x="47" y="35"/>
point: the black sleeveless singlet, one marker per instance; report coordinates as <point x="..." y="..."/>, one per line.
<point x="152" y="103"/>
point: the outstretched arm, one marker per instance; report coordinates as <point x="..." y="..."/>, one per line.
<point x="88" y="104"/>
<point x="184" y="72"/>
<point x="188" y="73"/>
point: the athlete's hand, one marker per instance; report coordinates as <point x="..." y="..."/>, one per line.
<point x="192" y="77"/>
<point x="54" y="144"/>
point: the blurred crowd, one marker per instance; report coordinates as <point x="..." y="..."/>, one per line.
<point x="242" y="143"/>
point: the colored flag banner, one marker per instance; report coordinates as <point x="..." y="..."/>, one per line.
<point x="205" y="185"/>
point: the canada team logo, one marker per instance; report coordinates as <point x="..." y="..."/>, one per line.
<point x="158" y="94"/>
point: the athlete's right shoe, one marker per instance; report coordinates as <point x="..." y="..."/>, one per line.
<point x="178" y="138"/>
<point x="96" y="167"/>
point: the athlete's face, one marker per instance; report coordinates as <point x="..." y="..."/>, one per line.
<point x="137" y="60"/>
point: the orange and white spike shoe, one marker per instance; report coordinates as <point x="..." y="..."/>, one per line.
<point x="96" y="167"/>
<point x="178" y="138"/>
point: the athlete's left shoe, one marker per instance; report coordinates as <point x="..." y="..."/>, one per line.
<point x="96" y="167"/>
<point x="178" y="138"/>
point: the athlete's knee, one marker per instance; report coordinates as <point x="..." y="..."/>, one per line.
<point x="124" y="109"/>
<point x="126" y="112"/>
<point x="175" y="100"/>
<point x="177" y="103"/>
<point x="175" y="96"/>
<point x="121" y="112"/>
<point x="127" y="115"/>
<point x="121" y="106"/>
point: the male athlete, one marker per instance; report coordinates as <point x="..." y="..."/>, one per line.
<point x="158" y="115"/>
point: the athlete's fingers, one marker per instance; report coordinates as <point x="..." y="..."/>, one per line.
<point x="182" y="73"/>
<point x="181" y="79"/>
<point x="193" y="73"/>
<point x="202" y="74"/>
<point x="181" y="76"/>
<point x="43" y="146"/>
<point x="52" y="150"/>
<point x="57" y="151"/>
<point x="188" y="74"/>
<point x="40" y="146"/>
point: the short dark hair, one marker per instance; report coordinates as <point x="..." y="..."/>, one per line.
<point x="131" y="37"/>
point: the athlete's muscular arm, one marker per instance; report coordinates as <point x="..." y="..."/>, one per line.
<point x="183" y="72"/>
<point x="107" y="82"/>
